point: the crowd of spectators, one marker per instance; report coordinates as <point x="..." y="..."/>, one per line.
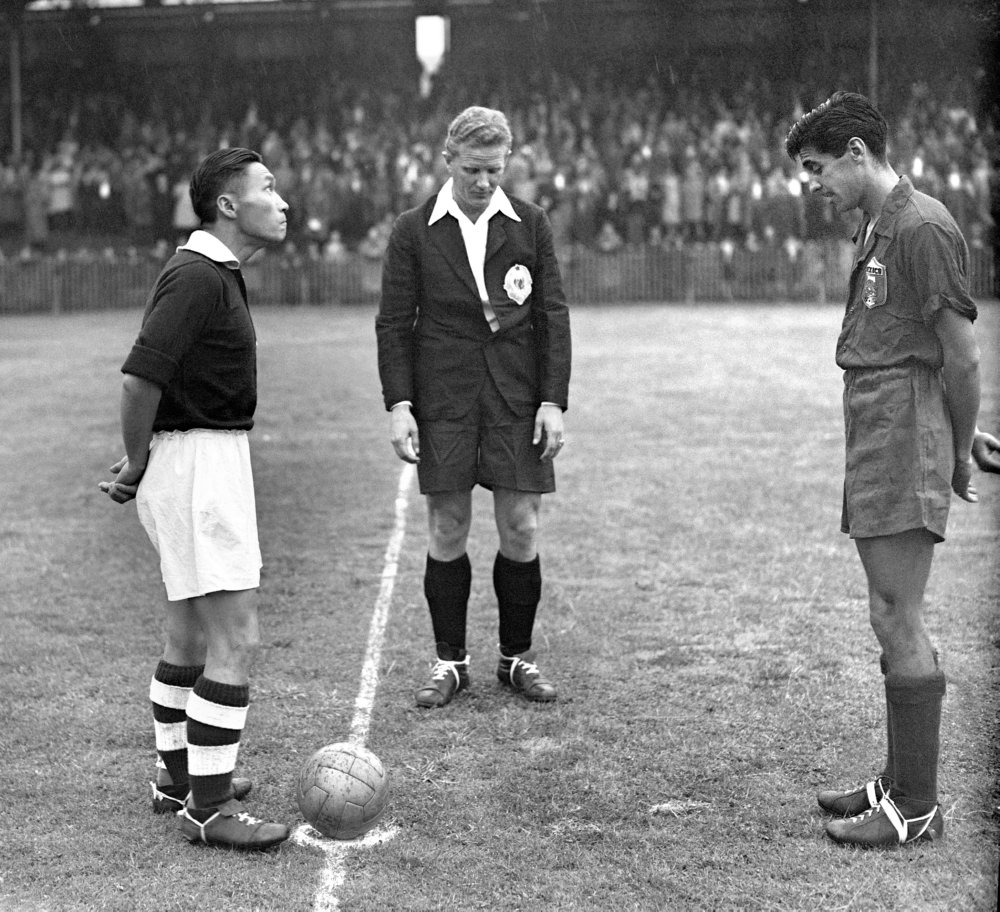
<point x="615" y="164"/>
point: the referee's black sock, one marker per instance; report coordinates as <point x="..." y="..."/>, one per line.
<point x="518" y="585"/>
<point x="447" y="585"/>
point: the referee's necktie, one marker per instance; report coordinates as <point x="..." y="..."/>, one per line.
<point x="490" y="315"/>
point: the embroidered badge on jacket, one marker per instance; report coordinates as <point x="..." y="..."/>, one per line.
<point x="876" y="290"/>
<point x="517" y="283"/>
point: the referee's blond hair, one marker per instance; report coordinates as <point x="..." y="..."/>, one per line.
<point x="478" y="127"/>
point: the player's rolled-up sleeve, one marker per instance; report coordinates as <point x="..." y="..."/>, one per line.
<point x="942" y="257"/>
<point x="150" y="364"/>
<point x="183" y="303"/>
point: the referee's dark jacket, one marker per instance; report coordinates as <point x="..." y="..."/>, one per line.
<point x="435" y="344"/>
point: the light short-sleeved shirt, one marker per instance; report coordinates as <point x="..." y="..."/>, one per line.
<point x="914" y="263"/>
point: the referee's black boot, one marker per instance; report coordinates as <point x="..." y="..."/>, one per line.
<point x="522" y="675"/>
<point x="449" y="675"/>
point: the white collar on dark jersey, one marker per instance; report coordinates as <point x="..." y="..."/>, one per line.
<point x="210" y="246"/>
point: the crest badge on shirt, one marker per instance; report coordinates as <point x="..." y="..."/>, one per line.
<point x="517" y="283"/>
<point x="876" y="288"/>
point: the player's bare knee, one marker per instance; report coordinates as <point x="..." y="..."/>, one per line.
<point x="448" y="533"/>
<point x="448" y="522"/>
<point x="882" y="607"/>
<point x="184" y="647"/>
<point x="236" y="654"/>
<point x="519" y="539"/>
<point x="882" y="627"/>
<point x="247" y="653"/>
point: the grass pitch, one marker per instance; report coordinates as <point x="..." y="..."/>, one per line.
<point x="703" y="616"/>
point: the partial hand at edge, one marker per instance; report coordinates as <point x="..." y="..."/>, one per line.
<point x="986" y="452"/>
<point x="549" y="426"/>
<point x="404" y="435"/>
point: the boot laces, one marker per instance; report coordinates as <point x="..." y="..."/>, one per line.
<point x="866" y="814"/>
<point x="248" y="819"/>
<point x="442" y="668"/>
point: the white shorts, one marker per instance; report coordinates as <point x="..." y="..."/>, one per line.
<point x="196" y="503"/>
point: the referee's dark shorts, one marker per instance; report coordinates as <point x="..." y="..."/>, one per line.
<point x="490" y="446"/>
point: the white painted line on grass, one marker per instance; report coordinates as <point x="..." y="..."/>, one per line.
<point x="376" y="631"/>
<point x="332" y="877"/>
<point x="333" y="874"/>
<point x="306" y="835"/>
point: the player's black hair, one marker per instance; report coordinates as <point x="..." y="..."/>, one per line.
<point x="831" y="126"/>
<point x="213" y="176"/>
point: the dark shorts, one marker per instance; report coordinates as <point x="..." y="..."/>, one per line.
<point x="900" y="455"/>
<point x="490" y="446"/>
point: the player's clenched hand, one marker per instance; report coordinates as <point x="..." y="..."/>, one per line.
<point x="549" y="426"/>
<point x="986" y="452"/>
<point x="961" y="480"/>
<point x="403" y="433"/>
<point x="126" y="483"/>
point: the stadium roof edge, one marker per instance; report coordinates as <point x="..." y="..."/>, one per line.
<point x="110" y="8"/>
<point x="265" y="7"/>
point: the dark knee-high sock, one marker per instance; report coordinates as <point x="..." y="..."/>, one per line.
<point x="216" y="715"/>
<point x="447" y="585"/>
<point x="518" y="585"/>
<point x="916" y="735"/>
<point x="889" y="772"/>
<point x="169" y="691"/>
<point x="890" y="761"/>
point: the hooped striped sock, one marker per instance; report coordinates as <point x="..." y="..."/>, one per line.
<point x="168" y="692"/>
<point x="216" y="714"/>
